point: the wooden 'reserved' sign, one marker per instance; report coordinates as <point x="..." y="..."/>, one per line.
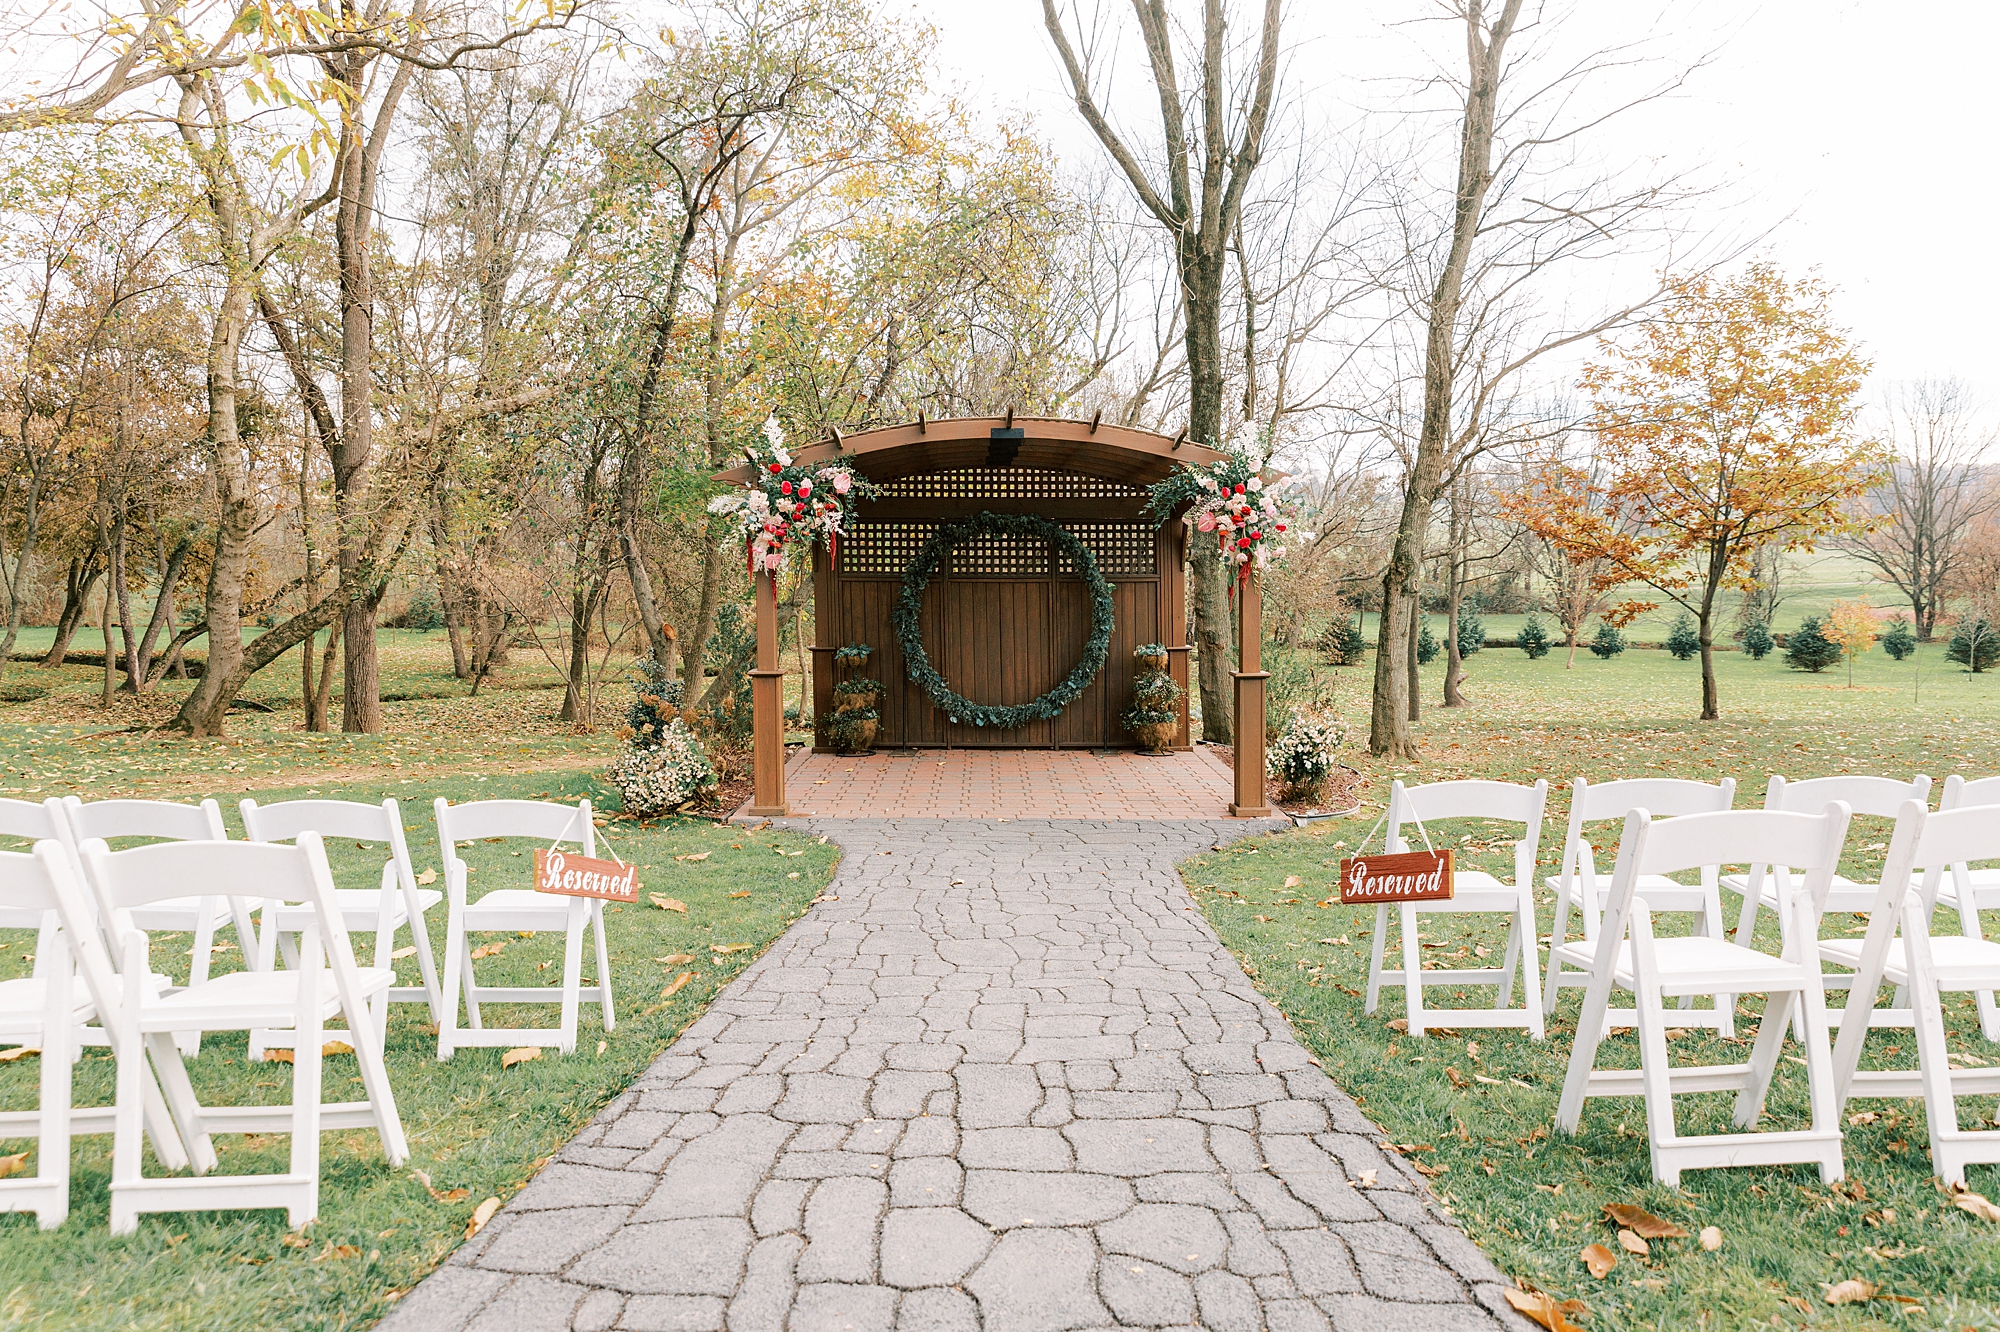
<point x="581" y="876"/>
<point x="1407" y="876"/>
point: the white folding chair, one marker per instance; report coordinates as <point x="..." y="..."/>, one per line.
<point x="518" y="909"/>
<point x="300" y="1000"/>
<point x="47" y="1010"/>
<point x="198" y="913"/>
<point x="42" y="1010"/>
<point x="1475" y="893"/>
<point x="379" y="911"/>
<point x="1880" y="797"/>
<point x="1579" y="884"/>
<point x="32" y="823"/>
<point x="1969" y="890"/>
<point x="1655" y="969"/>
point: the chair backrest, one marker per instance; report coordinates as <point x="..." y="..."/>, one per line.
<point x="1660" y="797"/>
<point x="1959" y="792"/>
<point x="36" y="822"/>
<point x="1882" y="797"/>
<point x="538" y="820"/>
<point x="1502" y="801"/>
<point x="105" y="819"/>
<point x="26" y="890"/>
<point x="329" y="818"/>
<point x="48" y="876"/>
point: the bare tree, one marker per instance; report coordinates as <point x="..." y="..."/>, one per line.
<point x="1199" y="201"/>
<point x="1929" y="497"/>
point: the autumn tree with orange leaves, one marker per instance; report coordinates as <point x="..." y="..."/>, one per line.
<point x="1726" y="424"/>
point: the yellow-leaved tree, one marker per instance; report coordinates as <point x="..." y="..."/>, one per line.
<point x="1850" y="626"/>
<point x="1723" y="425"/>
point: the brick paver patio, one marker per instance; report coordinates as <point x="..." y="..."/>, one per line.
<point x="1008" y="784"/>
<point x="1008" y="1081"/>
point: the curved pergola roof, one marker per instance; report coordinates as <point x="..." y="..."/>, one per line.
<point x="1090" y="448"/>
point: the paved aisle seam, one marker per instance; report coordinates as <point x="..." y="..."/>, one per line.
<point x="1009" y="1081"/>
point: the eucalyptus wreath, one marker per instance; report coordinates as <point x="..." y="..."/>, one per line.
<point x="909" y="631"/>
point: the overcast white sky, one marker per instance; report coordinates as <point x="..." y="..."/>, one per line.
<point x="1861" y="129"/>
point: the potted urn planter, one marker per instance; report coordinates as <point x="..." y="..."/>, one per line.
<point x="1154" y="716"/>
<point x="856" y="715"/>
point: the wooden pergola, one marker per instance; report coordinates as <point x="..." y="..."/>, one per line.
<point x="1007" y="618"/>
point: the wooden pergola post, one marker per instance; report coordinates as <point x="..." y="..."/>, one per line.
<point x="767" y="699"/>
<point x="1247" y="723"/>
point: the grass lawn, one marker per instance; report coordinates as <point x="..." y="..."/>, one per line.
<point x="475" y="1130"/>
<point x="1534" y="1198"/>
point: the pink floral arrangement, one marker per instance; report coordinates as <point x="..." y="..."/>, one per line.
<point x="787" y="502"/>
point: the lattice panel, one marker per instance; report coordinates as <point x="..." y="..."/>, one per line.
<point x="872" y="549"/>
<point x="1008" y="483"/>
<point x="1122" y="550"/>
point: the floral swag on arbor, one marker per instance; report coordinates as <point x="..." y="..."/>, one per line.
<point x="1228" y="499"/>
<point x="788" y="502"/>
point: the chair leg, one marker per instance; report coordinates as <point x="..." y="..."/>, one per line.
<point x="1375" y="960"/>
<point x="127" y="1136"/>
<point x="1589" y="1035"/>
<point x="181" y="1101"/>
<point x="448" y="1021"/>
<point x="198" y="959"/>
<point x="1778" y="1013"/>
<point x="52" y="1140"/>
<point x="573" y="973"/>
<point x="603" y="969"/>
<point x="1503" y="994"/>
<point x="420" y="935"/>
<point x="381" y="1096"/>
<point x="1654" y="1067"/>
<point x="1531" y="993"/>
<point x="305" y="1111"/>
<point x="1711" y="915"/>
<point x="1552" y="982"/>
<point x="1413" y="972"/>
<point x="1819" y="1075"/>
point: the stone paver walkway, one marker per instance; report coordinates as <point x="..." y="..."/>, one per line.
<point x="1008" y="783"/>
<point x="1008" y="1081"/>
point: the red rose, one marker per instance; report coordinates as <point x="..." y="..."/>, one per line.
<point x="776" y="469"/>
<point x="1281" y="527"/>
<point x="1243" y="543"/>
<point x="1256" y="536"/>
<point x="785" y="489"/>
<point x="1238" y="490"/>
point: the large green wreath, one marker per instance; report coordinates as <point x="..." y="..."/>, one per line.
<point x="909" y="631"/>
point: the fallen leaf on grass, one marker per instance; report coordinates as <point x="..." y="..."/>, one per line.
<point x="674" y="988"/>
<point x="1632" y="1244"/>
<point x="411" y="951"/>
<point x="447" y="1196"/>
<point x="520" y="1054"/>
<point x="428" y="876"/>
<point x="744" y="893"/>
<point x="1598" y="1259"/>
<point x="668" y="903"/>
<point x="337" y="1251"/>
<point x="10" y="1165"/>
<point x="675" y="959"/>
<point x="488" y="950"/>
<point x="1399" y="1024"/>
<point x="1428" y="1172"/>
<point x="480" y="1216"/>
<point x="1293" y="881"/>
<point x="19" y="1052"/>
<point x="294" y="1240"/>
<point x="1457" y="1078"/>
<point x="602" y="1046"/>
<point x="1544" y="1310"/>
<point x="1851" y="1291"/>
<point x="727" y="948"/>
<point x="1976" y="1205"/>
<point x="1642" y="1222"/>
<point x="699" y="855"/>
<point x="1711" y="1238"/>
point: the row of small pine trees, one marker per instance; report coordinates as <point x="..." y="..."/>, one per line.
<point x="1974" y="644"/>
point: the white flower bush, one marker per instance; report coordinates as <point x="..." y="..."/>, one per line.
<point x="653" y="781"/>
<point x="1304" y="755"/>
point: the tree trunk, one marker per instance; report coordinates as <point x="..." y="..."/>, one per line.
<point x="123" y="588"/>
<point x="1389" y="733"/>
<point x="24" y="564"/>
<point x="77" y="583"/>
<point x="316" y="702"/>
<point x="1711" y="707"/>
<point x="1454" y="660"/>
<point x="1410" y="658"/>
<point x="163" y="611"/>
<point x="1571" y="663"/>
<point x="110" y="656"/>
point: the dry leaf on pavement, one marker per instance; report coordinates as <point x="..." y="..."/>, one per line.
<point x="1365" y="1180"/>
<point x="1711" y="1238"/>
<point x="668" y="903"/>
<point x="1851" y="1291"/>
<point x="1599" y="1260"/>
<point x="520" y="1054"/>
<point x="480" y="1216"/>
<point x="1642" y="1222"/>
